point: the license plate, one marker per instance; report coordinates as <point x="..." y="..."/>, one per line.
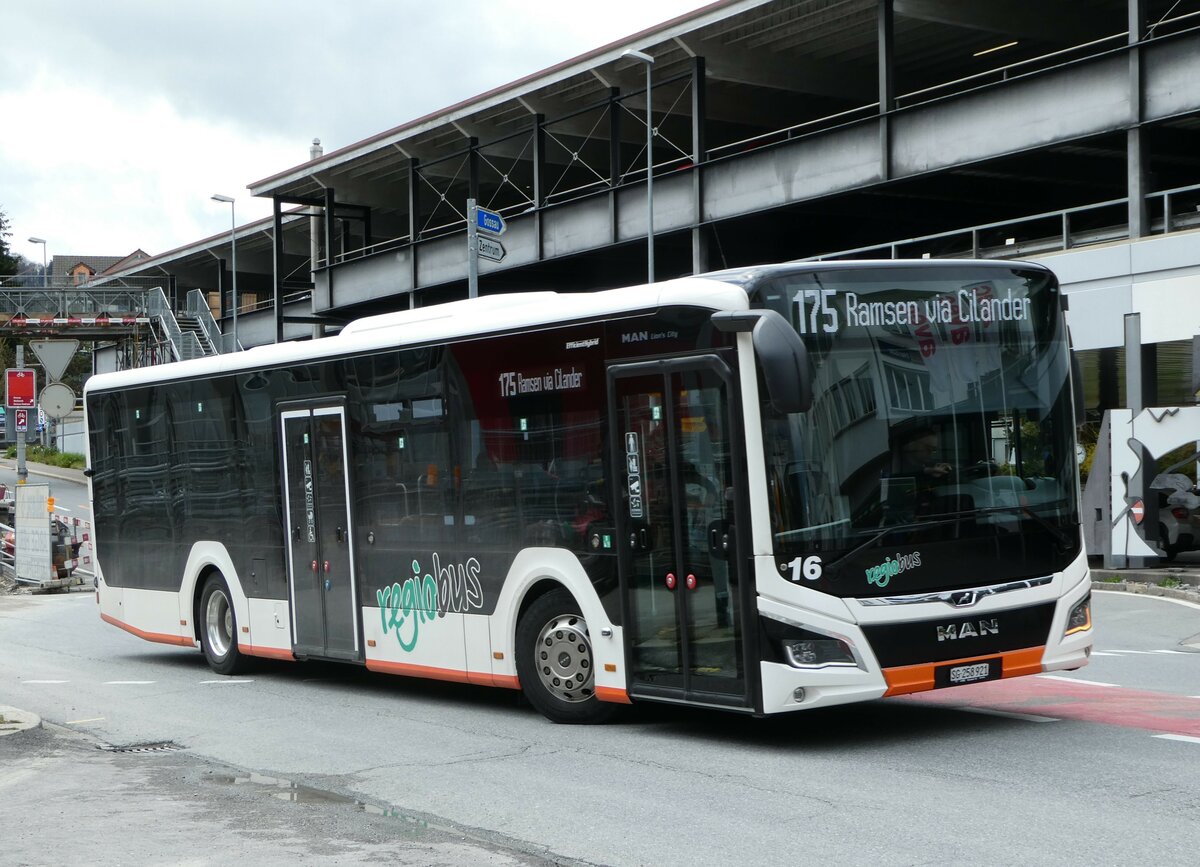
<point x="970" y="673"/>
<point x="956" y="675"/>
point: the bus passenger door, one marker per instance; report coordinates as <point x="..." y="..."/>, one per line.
<point x="676" y="456"/>
<point x="316" y="484"/>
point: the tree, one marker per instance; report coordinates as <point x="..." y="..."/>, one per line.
<point x="9" y="264"/>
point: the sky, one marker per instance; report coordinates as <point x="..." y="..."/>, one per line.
<point x="120" y="119"/>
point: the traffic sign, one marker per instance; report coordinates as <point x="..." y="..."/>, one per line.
<point x="22" y="420"/>
<point x="54" y="355"/>
<point x="489" y="221"/>
<point x="490" y="248"/>
<point x="57" y="400"/>
<point x="1139" y="511"/>
<point x="20" y="388"/>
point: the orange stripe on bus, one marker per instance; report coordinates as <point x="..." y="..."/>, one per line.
<point x="612" y="694"/>
<point x="918" y="678"/>
<point x="268" y="652"/>
<point x="479" y="678"/>
<point x="160" y="637"/>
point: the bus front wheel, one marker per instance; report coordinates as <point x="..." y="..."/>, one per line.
<point x="218" y="628"/>
<point x="555" y="661"/>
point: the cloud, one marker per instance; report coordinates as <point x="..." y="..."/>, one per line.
<point x="122" y="118"/>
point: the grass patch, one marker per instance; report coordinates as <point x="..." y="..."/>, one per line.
<point x="51" y="456"/>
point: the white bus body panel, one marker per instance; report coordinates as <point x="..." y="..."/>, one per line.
<point x="834" y="685"/>
<point x="536" y="564"/>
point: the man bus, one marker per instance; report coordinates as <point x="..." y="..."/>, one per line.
<point x="690" y="492"/>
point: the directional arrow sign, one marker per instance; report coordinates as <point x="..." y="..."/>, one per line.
<point x="489" y="221"/>
<point x="490" y="249"/>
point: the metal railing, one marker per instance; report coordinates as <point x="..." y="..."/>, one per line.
<point x="184" y="345"/>
<point x="197" y="307"/>
<point x="1048" y="232"/>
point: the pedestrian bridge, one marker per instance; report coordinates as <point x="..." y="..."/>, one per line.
<point x="131" y="312"/>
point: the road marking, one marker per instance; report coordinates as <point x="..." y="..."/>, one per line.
<point x="1028" y="717"/>
<point x="1180" y="652"/>
<point x="227" y="681"/>
<point x="1106" y="653"/>
<point x="1074" y="700"/>
<point x="127" y="682"/>
<point x="1077" y="680"/>
<point x="45" y="681"/>
<point x="1126" y="652"/>
<point x="1185" y="738"/>
<point x="76" y="722"/>
<point x="61" y="509"/>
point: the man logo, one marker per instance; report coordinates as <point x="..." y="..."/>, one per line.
<point x="955" y="631"/>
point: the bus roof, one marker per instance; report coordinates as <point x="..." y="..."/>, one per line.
<point x="441" y="322"/>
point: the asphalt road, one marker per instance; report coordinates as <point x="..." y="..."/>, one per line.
<point x="1100" y="766"/>
<point x="71" y="497"/>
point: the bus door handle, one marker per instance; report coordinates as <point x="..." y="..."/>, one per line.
<point x="341" y="534"/>
<point x="720" y="539"/>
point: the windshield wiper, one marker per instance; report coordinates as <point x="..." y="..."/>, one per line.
<point x="1062" y="538"/>
<point x="1064" y="541"/>
<point x="917" y="525"/>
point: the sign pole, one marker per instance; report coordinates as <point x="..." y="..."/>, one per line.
<point x="22" y="472"/>
<point x="472" y="251"/>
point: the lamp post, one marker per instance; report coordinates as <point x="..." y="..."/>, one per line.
<point x="646" y="59"/>
<point x="217" y="197"/>
<point x="45" y="270"/>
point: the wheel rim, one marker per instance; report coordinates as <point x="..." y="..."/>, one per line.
<point x="218" y="623"/>
<point x="564" y="658"/>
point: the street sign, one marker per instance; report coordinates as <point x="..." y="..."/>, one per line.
<point x="20" y="388"/>
<point x="490" y="249"/>
<point x="489" y="221"/>
<point x="57" y="400"/>
<point x="1139" y="511"/>
<point x="54" y="355"/>
<point x="22" y="420"/>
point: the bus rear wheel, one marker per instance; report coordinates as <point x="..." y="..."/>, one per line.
<point x="555" y="662"/>
<point x="218" y="628"/>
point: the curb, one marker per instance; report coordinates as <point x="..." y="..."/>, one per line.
<point x="13" y="720"/>
<point x="61" y="473"/>
<point x="1123" y="585"/>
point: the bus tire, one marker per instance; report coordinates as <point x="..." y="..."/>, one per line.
<point x="218" y="627"/>
<point x="555" y="661"/>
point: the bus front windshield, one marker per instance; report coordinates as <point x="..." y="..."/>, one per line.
<point x="939" y="449"/>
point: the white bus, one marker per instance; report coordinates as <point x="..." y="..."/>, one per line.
<point x="764" y="490"/>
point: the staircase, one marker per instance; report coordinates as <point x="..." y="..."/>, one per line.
<point x="190" y="324"/>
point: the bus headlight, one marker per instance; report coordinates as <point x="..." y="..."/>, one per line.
<point x="803" y="646"/>
<point x="817" y="652"/>
<point x="1080" y="618"/>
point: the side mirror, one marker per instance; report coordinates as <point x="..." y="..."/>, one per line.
<point x="781" y="354"/>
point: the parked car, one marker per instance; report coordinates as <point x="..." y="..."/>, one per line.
<point x="1178" y="513"/>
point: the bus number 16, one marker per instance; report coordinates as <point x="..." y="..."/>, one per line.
<point x="808" y="568"/>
